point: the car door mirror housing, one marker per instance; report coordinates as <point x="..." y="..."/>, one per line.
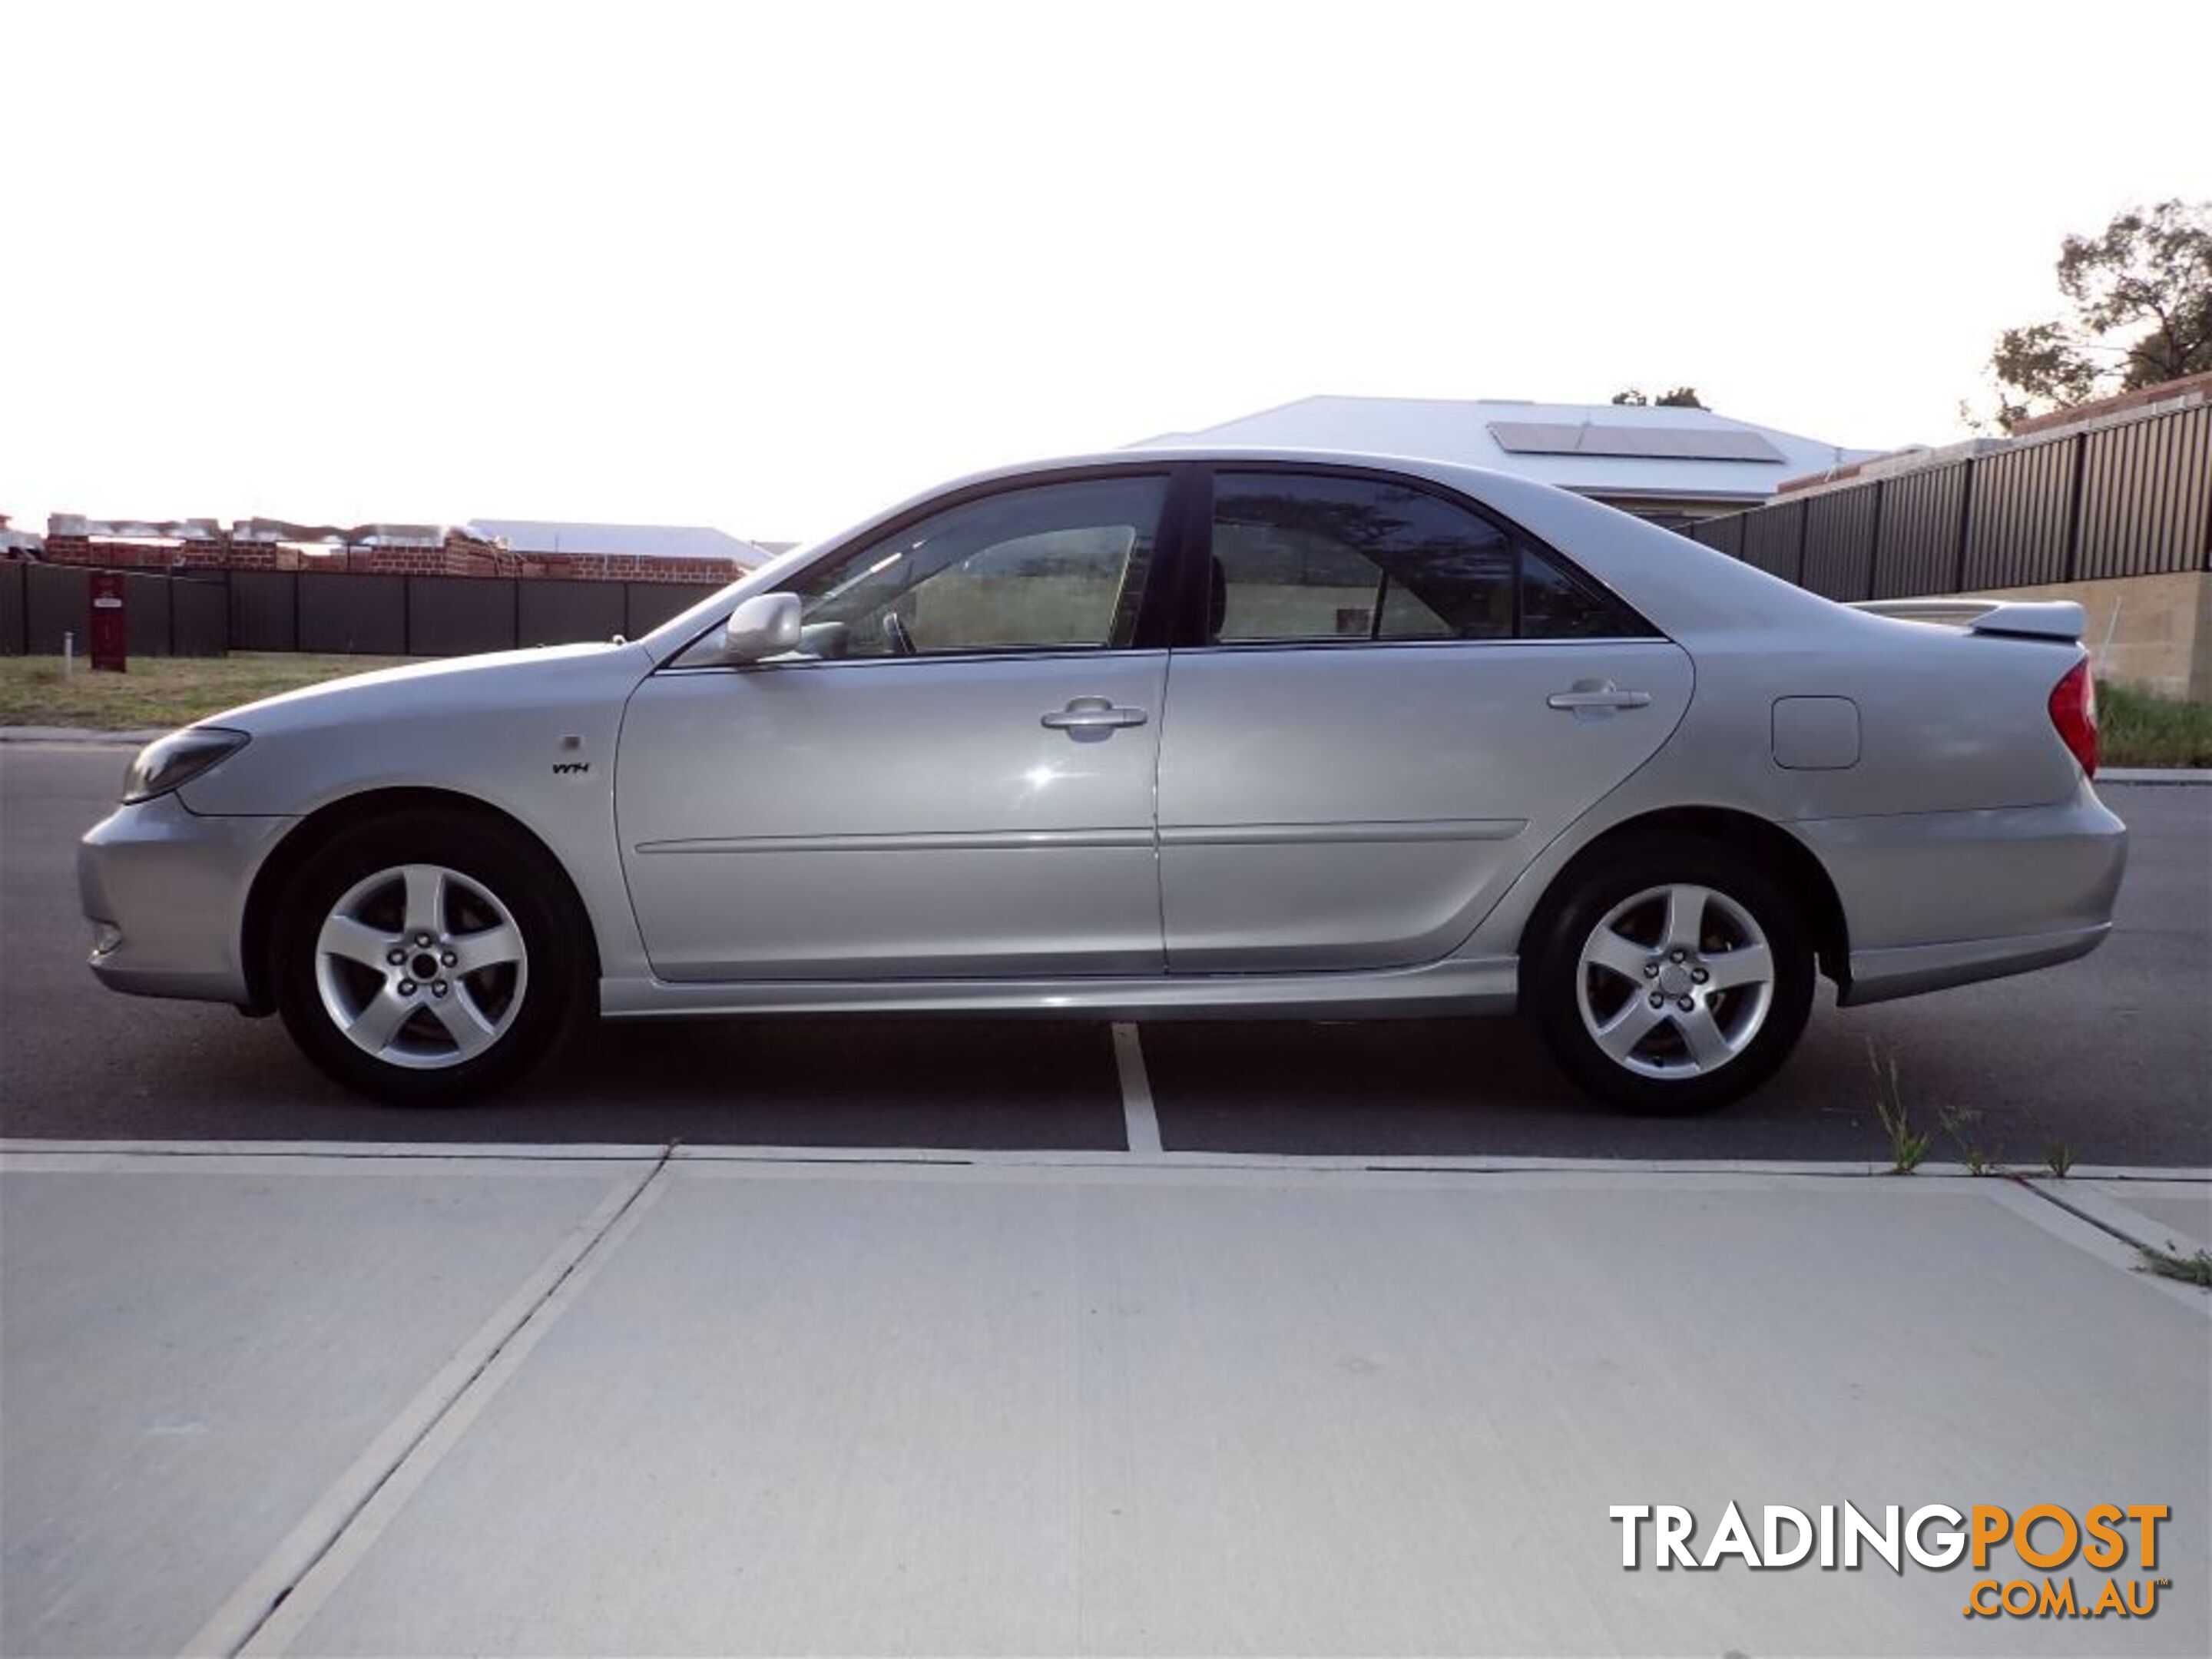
<point x="765" y="625"/>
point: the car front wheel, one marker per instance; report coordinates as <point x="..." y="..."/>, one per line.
<point x="1676" y="976"/>
<point x="427" y="958"/>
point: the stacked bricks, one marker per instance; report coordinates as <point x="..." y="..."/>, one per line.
<point x="459" y="555"/>
<point x="628" y="568"/>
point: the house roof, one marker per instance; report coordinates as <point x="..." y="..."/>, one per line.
<point x="1595" y="449"/>
<point x="652" y="541"/>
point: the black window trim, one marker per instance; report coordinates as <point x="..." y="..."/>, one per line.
<point x="1198" y="543"/>
<point x="1172" y="614"/>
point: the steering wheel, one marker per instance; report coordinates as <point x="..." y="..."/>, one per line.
<point x="897" y="636"/>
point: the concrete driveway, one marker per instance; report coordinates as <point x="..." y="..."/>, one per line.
<point x="621" y="1401"/>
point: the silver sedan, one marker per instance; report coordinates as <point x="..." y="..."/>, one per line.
<point x="1146" y="735"/>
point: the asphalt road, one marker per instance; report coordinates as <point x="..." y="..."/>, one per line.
<point x="2111" y="1056"/>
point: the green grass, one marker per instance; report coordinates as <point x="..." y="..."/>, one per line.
<point x="1907" y="1145"/>
<point x="2194" y="1269"/>
<point x="2136" y="727"/>
<point x="159" y="691"/>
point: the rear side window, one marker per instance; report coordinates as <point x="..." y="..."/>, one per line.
<point x="1300" y="557"/>
<point x="1555" y="605"/>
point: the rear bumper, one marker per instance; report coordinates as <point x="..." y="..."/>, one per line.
<point x="165" y="893"/>
<point x="1935" y="899"/>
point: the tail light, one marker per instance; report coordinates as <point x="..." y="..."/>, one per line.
<point x="2073" y="713"/>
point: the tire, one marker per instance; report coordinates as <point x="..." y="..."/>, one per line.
<point x="1609" y="946"/>
<point x="441" y="891"/>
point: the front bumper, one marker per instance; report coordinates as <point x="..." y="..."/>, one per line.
<point x="1935" y="899"/>
<point x="166" y="891"/>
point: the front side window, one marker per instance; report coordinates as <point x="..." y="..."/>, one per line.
<point x="1056" y="567"/>
<point x="1311" y="557"/>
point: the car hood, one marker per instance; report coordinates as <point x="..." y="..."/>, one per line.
<point x="417" y="688"/>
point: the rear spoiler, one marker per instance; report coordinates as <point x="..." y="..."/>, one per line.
<point x="2036" y="619"/>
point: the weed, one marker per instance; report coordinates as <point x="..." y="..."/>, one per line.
<point x="1907" y="1145"/>
<point x="1959" y="1125"/>
<point x="2194" y="1268"/>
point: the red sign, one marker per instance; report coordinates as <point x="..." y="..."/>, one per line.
<point x="111" y="632"/>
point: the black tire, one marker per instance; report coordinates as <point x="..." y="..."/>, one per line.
<point x="527" y="1005"/>
<point x="1560" y="994"/>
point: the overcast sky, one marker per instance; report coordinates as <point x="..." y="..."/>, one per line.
<point x="770" y="266"/>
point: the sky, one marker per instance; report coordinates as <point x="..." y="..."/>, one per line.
<point x="771" y="267"/>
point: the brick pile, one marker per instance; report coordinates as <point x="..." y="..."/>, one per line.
<point x="200" y="546"/>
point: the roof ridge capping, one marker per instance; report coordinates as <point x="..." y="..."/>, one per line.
<point x="1671" y="441"/>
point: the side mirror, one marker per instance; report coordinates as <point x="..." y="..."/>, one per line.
<point x="766" y="625"/>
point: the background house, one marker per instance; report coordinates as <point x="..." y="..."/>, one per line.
<point x="19" y="544"/>
<point x="1671" y="466"/>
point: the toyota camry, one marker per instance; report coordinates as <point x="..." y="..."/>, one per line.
<point x="1141" y="736"/>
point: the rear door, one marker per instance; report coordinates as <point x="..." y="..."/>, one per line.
<point x="1397" y="702"/>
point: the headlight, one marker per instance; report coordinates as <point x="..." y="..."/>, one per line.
<point x="167" y="762"/>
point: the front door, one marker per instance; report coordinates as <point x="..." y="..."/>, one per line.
<point x="952" y="777"/>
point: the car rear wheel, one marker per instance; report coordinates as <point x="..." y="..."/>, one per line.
<point x="1675" y="976"/>
<point x="428" y="958"/>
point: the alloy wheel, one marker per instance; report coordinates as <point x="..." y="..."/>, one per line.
<point x="421" y="966"/>
<point x="1675" y="982"/>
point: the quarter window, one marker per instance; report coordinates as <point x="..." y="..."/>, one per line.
<point x="1308" y="557"/>
<point x="1058" y="566"/>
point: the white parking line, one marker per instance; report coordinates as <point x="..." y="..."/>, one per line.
<point x="1136" y="1090"/>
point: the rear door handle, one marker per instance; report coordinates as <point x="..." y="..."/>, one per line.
<point x="1598" y="694"/>
<point x="1100" y="714"/>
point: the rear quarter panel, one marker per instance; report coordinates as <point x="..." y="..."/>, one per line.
<point x="1950" y="723"/>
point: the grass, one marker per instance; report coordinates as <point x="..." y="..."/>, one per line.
<point x="1963" y="1125"/>
<point x="2136" y="727"/>
<point x="159" y="691"/>
<point x="1907" y="1147"/>
<point x="2194" y="1268"/>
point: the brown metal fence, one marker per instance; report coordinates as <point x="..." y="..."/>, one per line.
<point x="357" y="614"/>
<point x="2133" y="499"/>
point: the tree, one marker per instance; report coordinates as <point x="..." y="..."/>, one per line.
<point x="1682" y="397"/>
<point x="2141" y="295"/>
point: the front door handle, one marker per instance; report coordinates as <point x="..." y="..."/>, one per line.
<point x="1088" y="715"/>
<point x="1597" y="696"/>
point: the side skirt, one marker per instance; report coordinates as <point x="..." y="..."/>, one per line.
<point x="1458" y="985"/>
